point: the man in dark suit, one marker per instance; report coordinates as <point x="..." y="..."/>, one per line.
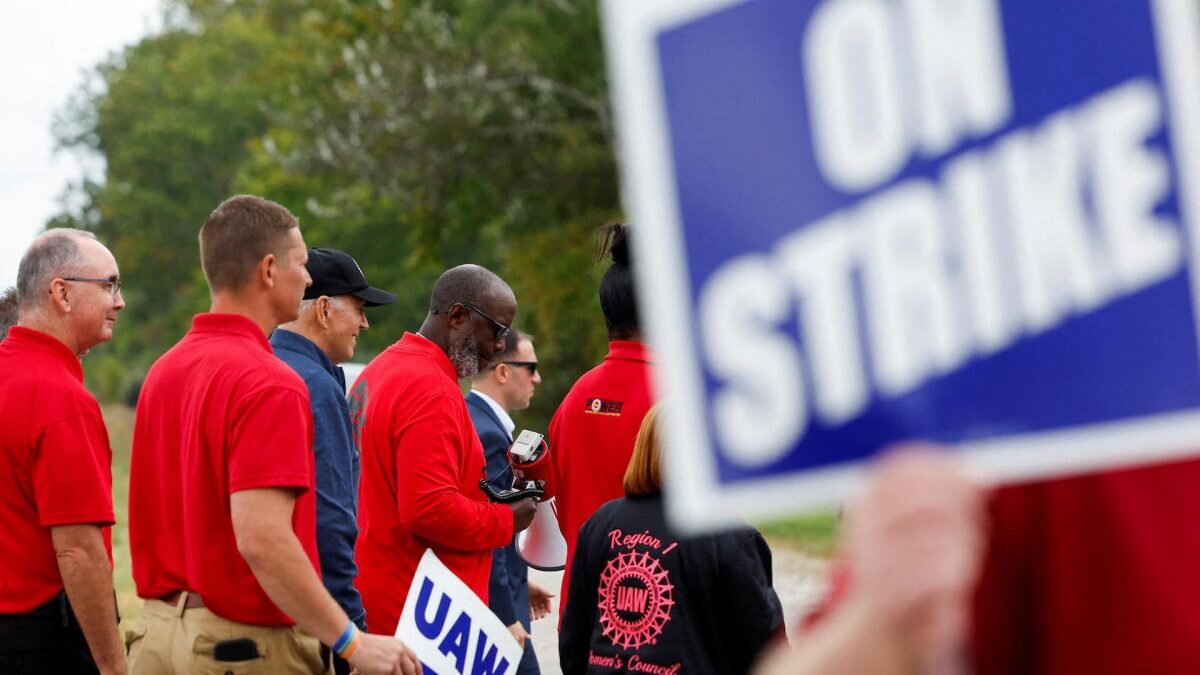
<point x="507" y="385"/>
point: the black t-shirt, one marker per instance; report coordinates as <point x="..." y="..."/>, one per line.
<point x="644" y="600"/>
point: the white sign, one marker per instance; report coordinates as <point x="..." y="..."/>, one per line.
<point x="450" y="629"/>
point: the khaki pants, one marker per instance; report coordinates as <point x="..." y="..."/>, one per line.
<point x="170" y="639"/>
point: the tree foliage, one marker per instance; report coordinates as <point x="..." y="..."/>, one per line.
<point x="415" y="135"/>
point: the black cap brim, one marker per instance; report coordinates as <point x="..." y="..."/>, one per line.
<point x="374" y="297"/>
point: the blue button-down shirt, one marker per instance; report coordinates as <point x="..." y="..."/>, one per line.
<point x="337" y="467"/>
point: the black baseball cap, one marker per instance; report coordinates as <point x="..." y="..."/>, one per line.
<point x="335" y="273"/>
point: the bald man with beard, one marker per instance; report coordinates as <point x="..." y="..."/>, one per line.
<point x="421" y="458"/>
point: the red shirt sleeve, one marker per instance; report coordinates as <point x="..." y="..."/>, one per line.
<point x="429" y="470"/>
<point x="271" y="442"/>
<point x="72" y="476"/>
<point x="551" y="476"/>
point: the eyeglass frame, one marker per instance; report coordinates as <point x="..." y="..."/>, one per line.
<point x="531" y="365"/>
<point x="498" y="329"/>
<point x="113" y="282"/>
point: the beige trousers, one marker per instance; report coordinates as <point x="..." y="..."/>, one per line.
<point x="171" y="639"/>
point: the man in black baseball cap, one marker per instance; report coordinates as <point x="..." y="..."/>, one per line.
<point x="335" y="273"/>
<point x="324" y="336"/>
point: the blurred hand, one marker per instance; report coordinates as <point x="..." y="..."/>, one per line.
<point x="384" y="655"/>
<point x="523" y="512"/>
<point x="539" y="601"/>
<point x="914" y="543"/>
<point x="518" y="631"/>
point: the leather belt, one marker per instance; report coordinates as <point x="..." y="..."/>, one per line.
<point x="194" y="601"/>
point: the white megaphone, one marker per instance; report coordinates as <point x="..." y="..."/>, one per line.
<point x="541" y="545"/>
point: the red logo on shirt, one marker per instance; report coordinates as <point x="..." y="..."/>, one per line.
<point x="635" y="600"/>
<point x="358" y="411"/>
<point x="600" y="406"/>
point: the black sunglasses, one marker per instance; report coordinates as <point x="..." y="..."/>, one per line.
<point x="498" y="329"/>
<point x="531" y="365"/>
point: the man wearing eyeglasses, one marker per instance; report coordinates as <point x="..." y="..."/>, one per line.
<point x="421" y="458"/>
<point x="507" y="385"/>
<point x="56" y="590"/>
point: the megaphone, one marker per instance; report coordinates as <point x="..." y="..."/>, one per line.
<point x="541" y="545"/>
<point x="529" y="456"/>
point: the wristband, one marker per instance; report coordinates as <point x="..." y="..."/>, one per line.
<point x="348" y="641"/>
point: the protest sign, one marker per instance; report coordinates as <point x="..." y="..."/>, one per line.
<point x="866" y="221"/>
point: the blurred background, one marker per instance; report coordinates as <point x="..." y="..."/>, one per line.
<point x="413" y="135"/>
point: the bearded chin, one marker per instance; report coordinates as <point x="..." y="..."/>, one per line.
<point x="464" y="354"/>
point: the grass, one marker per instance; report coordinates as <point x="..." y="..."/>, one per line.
<point x="814" y="534"/>
<point x="119" y="419"/>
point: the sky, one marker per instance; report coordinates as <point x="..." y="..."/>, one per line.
<point x="46" y="46"/>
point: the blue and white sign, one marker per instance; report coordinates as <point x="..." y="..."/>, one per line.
<point x="450" y="629"/>
<point x="866" y="221"/>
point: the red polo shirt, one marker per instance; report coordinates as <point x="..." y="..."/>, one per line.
<point x="55" y="464"/>
<point x="1093" y="574"/>
<point x="218" y="413"/>
<point x="421" y="466"/>
<point x="592" y="435"/>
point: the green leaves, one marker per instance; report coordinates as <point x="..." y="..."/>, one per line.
<point x="414" y="135"/>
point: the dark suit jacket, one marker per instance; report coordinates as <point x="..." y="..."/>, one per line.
<point x="508" y="588"/>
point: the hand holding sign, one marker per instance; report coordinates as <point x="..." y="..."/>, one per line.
<point x="383" y="655"/>
<point x="914" y="542"/>
<point x="911" y="547"/>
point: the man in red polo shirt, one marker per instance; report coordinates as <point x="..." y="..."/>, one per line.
<point x="222" y="506"/>
<point x="421" y="458"/>
<point x="592" y="433"/>
<point x="57" y="611"/>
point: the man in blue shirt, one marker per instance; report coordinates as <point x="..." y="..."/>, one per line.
<point x="507" y="385"/>
<point x="325" y="335"/>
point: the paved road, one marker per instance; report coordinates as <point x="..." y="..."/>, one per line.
<point x="799" y="581"/>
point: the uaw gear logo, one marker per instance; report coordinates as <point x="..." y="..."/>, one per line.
<point x="358" y="411"/>
<point x="636" y="598"/>
<point x="600" y="406"/>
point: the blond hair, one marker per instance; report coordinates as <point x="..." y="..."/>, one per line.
<point x="643" y="475"/>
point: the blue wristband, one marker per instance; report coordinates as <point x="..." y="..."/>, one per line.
<point x="346" y="638"/>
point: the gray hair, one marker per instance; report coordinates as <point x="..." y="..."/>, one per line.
<point x="55" y="253"/>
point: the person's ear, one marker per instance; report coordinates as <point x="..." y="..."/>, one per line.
<point x="501" y="372"/>
<point x="323" y="310"/>
<point x="458" y="317"/>
<point x="59" y="297"/>
<point x="266" y="270"/>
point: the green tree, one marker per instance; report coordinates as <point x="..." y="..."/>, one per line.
<point x="415" y="135"/>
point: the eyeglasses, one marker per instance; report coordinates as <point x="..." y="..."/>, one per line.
<point x="113" y="283"/>
<point x="499" y="330"/>
<point x="531" y="365"/>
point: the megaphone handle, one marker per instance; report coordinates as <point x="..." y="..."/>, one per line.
<point x="509" y="496"/>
